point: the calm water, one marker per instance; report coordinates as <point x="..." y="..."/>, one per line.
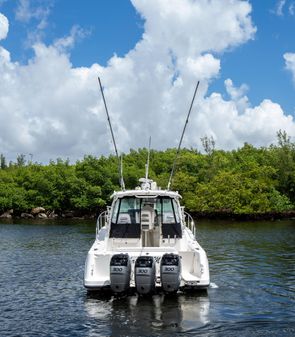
<point x="252" y="293"/>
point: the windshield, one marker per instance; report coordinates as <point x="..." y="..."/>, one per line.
<point x="126" y="210"/>
<point x="127" y="213"/>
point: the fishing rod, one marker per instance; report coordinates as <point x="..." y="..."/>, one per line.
<point x="183" y="131"/>
<point x="120" y="161"/>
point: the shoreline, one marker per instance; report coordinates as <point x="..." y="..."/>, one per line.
<point x="290" y="215"/>
<point x="78" y="215"/>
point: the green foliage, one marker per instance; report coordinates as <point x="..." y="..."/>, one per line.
<point x="242" y="181"/>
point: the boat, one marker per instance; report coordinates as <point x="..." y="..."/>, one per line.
<point x="145" y="241"/>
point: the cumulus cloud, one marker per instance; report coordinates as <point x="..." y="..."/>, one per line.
<point x="290" y="63"/>
<point x="261" y="122"/>
<point x="50" y="108"/>
<point x="3" y="26"/>
<point x="237" y="95"/>
<point x="230" y="128"/>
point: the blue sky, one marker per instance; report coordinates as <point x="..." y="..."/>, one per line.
<point x="259" y="62"/>
<point x="111" y="27"/>
<point x="106" y="37"/>
<point x="114" y="27"/>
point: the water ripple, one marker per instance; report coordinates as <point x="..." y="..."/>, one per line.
<point x="252" y="291"/>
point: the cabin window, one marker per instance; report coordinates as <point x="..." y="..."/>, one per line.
<point x="126" y="210"/>
<point x="127" y="214"/>
<point x="126" y="218"/>
<point x="170" y="217"/>
<point x="170" y="214"/>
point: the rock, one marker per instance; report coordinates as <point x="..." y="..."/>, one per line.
<point x="37" y="210"/>
<point x="52" y="215"/>
<point x="27" y="216"/>
<point x="6" y="215"/>
<point x="41" y="216"/>
<point x="68" y="214"/>
<point x="90" y="216"/>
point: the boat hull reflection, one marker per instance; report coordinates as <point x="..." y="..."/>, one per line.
<point x="159" y="313"/>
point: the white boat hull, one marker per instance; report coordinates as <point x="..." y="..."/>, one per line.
<point x="194" y="262"/>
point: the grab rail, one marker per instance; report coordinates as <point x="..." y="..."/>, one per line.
<point x="102" y="220"/>
<point x="189" y="222"/>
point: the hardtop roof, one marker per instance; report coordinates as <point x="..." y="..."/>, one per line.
<point x="148" y="193"/>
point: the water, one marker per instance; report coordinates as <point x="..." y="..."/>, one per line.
<point x="252" y="292"/>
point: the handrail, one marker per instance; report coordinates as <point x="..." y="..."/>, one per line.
<point x="102" y="220"/>
<point x="189" y="222"/>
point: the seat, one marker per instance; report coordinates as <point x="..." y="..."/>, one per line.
<point x="124" y="218"/>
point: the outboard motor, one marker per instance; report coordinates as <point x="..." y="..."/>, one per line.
<point x="170" y="272"/>
<point x="120" y="268"/>
<point x="145" y="274"/>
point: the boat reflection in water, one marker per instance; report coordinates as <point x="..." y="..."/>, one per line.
<point x="138" y="315"/>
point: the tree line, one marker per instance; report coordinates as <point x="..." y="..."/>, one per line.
<point x="248" y="180"/>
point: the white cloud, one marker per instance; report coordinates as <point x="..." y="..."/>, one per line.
<point x="230" y="128"/>
<point x="280" y="7"/>
<point x="26" y="11"/>
<point x="206" y="66"/>
<point x="237" y="95"/>
<point x="4" y="25"/>
<point x="36" y="14"/>
<point x="290" y="63"/>
<point x="68" y="42"/>
<point x="182" y="24"/>
<point x="260" y="124"/>
<point x="50" y="108"/>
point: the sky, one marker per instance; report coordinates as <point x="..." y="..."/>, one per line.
<point x="149" y="55"/>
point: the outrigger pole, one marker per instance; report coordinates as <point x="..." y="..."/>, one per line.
<point x="147" y="165"/>
<point x="179" y="145"/>
<point x="120" y="166"/>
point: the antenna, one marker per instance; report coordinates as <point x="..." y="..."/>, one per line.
<point x="179" y="145"/>
<point x="148" y="161"/>
<point x="146" y="183"/>
<point x="122" y="184"/>
<point x="120" y="161"/>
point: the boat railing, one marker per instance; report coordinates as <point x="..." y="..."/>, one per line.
<point x="102" y="220"/>
<point x="189" y="222"/>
